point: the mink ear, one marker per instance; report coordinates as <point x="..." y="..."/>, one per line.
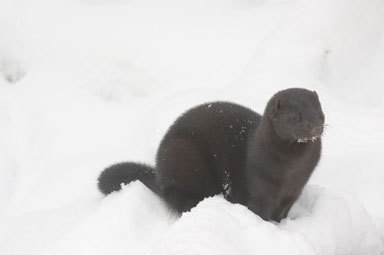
<point x="315" y="93"/>
<point x="279" y="103"/>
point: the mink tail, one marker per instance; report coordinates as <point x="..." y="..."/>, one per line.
<point x="112" y="177"/>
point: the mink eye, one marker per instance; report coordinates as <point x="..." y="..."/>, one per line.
<point x="294" y="118"/>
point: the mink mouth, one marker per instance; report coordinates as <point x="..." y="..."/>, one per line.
<point x="304" y="135"/>
<point x="307" y="139"/>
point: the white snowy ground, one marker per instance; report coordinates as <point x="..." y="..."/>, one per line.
<point x="87" y="83"/>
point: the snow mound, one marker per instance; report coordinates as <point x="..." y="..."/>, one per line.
<point x="127" y="222"/>
<point x="135" y="221"/>
<point x="334" y="223"/>
<point x="321" y="222"/>
<point x="216" y="226"/>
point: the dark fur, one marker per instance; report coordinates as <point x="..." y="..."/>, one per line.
<point x="123" y="173"/>
<point x="226" y="148"/>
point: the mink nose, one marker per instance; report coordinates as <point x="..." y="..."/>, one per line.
<point x="316" y="131"/>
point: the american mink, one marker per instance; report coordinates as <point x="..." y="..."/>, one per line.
<point x="262" y="162"/>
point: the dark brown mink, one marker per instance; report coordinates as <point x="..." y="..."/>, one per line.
<point x="262" y="162"/>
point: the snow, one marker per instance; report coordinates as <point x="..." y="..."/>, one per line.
<point x="335" y="223"/>
<point x="87" y="83"/>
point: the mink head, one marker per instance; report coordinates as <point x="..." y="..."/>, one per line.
<point x="296" y="115"/>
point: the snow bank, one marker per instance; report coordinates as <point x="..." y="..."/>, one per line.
<point x="128" y="222"/>
<point x="321" y="222"/>
<point x="334" y="223"/>
<point x="216" y="226"/>
<point x="135" y="221"/>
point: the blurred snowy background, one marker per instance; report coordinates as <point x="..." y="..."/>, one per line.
<point x="87" y="83"/>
